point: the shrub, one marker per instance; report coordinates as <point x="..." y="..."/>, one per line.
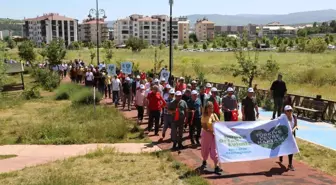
<point x="316" y="45"/>
<point x="85" y="97"/>
<point x="65" y="91"/>
<point x="47" y="79"/>
<point x="268" y="104"/>
<point x="32" y="93"/>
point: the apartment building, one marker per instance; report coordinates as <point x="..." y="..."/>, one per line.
<point x="277" y="29"/>
<point x="250" y="29"/>
<point x="204" y="29"/>
<point x="154" y="29"/>
<point x="183" y="30"/>
<point x="88" y="31"/>
<point x="43" y="29"/>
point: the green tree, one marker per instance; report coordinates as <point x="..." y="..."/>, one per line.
<point x="92" y="55"/>
<point x="11" y="43"/>
<point x="136" y="44"/>
<point x="268" y="45"/>
<point x="302" y="33"/>
<point x="282" y="48"/>
<point x="108" y="45"/>
<point x="285" y="41"/>
<point x="26" y="52"/>
<point x="275" y="41"/>
<point x="256" y="43"/>
<point x="193" y="37"/>
<point x="55" y="52"/>
<point x="326" y="39"/>
<point x="162" y="46"/>
<point x="331" y="38"/>
<point x="279" y="42"/>
<point x="3" y="75"/>
<point x="315" y="25"/>
<point x="291" y="43"/>
<point x="175" y="47"/>
<point x="195" y="46"/>
<point x="270" y="69"/>
<point x="185" y="46"/>
<point x="198" y="69"/>
<point x="214" y="44"/>
<point x="224" y="45"/>
<point x="205" y="46"/>
<point x="157" y="61"/>
<point x="316" y="45"/>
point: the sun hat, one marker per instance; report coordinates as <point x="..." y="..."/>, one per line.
<point x="172" y="91"/>
<point x="178" y="93"/>
<point x="208" y="85"/>
<point x="194" y="92"/>
<point x="138" y="77"/>
<point x="250" y="90"/>
<point x="214" y="89"/>
<point x="230" y="89"/>
<point x="142" y="86"/>
<point x="288" y="107"/>
<point x="168" y="86"/>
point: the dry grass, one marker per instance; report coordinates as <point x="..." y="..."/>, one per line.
<point x="7" y="156"/>
<point x="105" y="167"/>
<point x="317" y="157"/>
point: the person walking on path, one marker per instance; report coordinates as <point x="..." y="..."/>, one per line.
<point x="178" y="108"/>
<point x="167" y="117"/>
<point x="127" y="93"/>
<point x="116" y="86"/>
<point x="208" y="145"/>
<point x="89" y="78"/>
<point x="155" y="105"/>
<point x="181" y="86"/>
<point x="195" y="123"/>
<point x="249" y="107"/>
<point x="216" y="101"/>
<point x="278" y="91"/>
<point x="293" y="123"/>
<point x="139" y="102"/>
<point x="107" y="87"/>
<point x="229" y="104"/>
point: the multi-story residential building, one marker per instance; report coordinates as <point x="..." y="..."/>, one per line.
<point x="154" y="29"/>
<point x="44" y="29"/>
<point x="204" y="29"/>
<point x="250" y="29"/>
<point x="183" y="30"/>
<point x="277" y="29"/>
<point x="111" y="34"/>
<point x="88" y="31"/>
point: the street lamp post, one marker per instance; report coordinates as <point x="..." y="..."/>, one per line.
<point x="97" y="12"/>
<point x="171" y="2"/>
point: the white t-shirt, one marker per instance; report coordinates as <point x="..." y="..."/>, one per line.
<point x="116" y="85"/>
<point x="89" y="76"/>
<point x="147" y="92"/>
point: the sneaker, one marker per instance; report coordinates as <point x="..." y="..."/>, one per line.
<point x="174" y="146"/>
<point x="291" y="167"/>
<point x="192" y="142"/>
<point x="218" y="169"/>
<point x="180" y="146"/>
<point x="204" y="164"/>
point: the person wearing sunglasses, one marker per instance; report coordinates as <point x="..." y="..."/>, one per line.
<point x="293" y="123"/>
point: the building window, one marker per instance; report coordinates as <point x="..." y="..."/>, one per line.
<point x="163" y="34"/>
<point x="163" y="25"/>
<point x="164" y="30"/>
<point x="135" y="34"/>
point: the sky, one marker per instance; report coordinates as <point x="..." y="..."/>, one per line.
<point x="79" y="9"/>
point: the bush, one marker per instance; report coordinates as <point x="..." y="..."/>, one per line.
<point x="85" y="97"/>
<point x="268" y="104"/>
<point x="32" y="93"/>
<point x="47" y="79"/>
<point x="65" y="91"/>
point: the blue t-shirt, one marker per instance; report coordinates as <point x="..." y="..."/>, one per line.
<point x="196" y="106"/>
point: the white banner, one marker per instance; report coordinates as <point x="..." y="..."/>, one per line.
<point x="165" y="74"/>
<point x="248" y="141"/>
<point x="111" y="69"/>
<point x="126" y="67"/>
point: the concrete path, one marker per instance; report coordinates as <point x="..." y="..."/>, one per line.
<point x="32" y="155"/>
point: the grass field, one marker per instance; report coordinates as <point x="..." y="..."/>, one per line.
<point x="107" y="167"/>
<point x="305" y="74"/>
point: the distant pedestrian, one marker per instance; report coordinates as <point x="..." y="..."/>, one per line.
<point x="155" y="105"/>
<point x="116" y="87"/>
<point x="140" y="102"/>
<point x="278" y="91"/>
<point x="127" y="93"/>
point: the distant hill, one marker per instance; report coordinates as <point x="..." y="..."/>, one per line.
<point x="292" y="18"/>
<point x="11" y="24"/>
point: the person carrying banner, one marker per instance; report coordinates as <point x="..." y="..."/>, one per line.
<point x="195" y="114"/>
<point x="155" y="105"/>
<point x="229" y="104"/>
<point x="178" y="108"/>
<point x="216" y="101"/>
<point x="250" y="107"/>
<point x="208" y="145"/>
<point x="293" y="123"/>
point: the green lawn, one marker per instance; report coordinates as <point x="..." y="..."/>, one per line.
<point x="305" y="74"/>
<point x="107" y="167"/>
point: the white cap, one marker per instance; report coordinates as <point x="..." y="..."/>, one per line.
<point x="127" y="79"/>
<point x="137" y="76"/>
<point x="214" y="89"/>
<point x="142" y="86"/>
<point x="288" y="107"/>
<point x="172" y="91"/>
<point x="250" y="90"/>
<point x="181" y="78"/>
<point x="230" y="89"/>
<point x="156" y="80"/>
<point x="208" y="85"/>
<point x="178" y="93"/>
<point x="193" y="82"/>
<point x="168" y="86"/>
<point x="194" y="92"/>
<point x="163" y="79"/>
<point x="188" y="85"/>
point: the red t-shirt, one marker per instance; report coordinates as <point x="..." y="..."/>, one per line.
<point x="155" y="101"/>
<point x="143" y="76"/>
<point x="181" y="87"/>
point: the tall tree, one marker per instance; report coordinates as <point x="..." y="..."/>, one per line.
<point x="108" y="45"/>
<point x="56" y="52"/>
<point x="11" y="43"/>
<point x="136" y="44"/>
<point x="26" y="52"/>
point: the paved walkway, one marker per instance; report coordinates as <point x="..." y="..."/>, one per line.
<point x="262" y="172"/>
<point x="32" y="155"/>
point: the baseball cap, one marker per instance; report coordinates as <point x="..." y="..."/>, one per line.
<point x="171" y="91"/>
<point x="127" y="79"/>
<point x="137" y="76"/>
<point x="178" y="93"/>
<point x="181" y="78"/>
<point x="230" y="89"/>
<point x="288" y="107"/>
<point x="163" y="79"/>
<point x="250" y="90"/>
<point x="193" y="82"/>
<point x="156" y="80"/>
<point x="194" y="92"/>
<point x="208" y="85"/>
<point x="142" y="86"/>
<point x="214" y="89"/>
<point x="168" y="86"/>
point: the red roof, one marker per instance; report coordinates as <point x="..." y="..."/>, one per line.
<point x="50" y="16"/>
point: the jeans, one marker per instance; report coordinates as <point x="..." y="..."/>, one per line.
<point x="154" y="116"/>
<point x="196" y="123"/>
<point x="107" y="91"/>
<point x="140" y="112"/>
<point x="278" y="103"/>
<point x="167" y="120"/>
<point x="227" y="116"/>
<point x="115" y="97"/>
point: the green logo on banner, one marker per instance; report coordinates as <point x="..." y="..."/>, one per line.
<point x="271" y="139"/>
